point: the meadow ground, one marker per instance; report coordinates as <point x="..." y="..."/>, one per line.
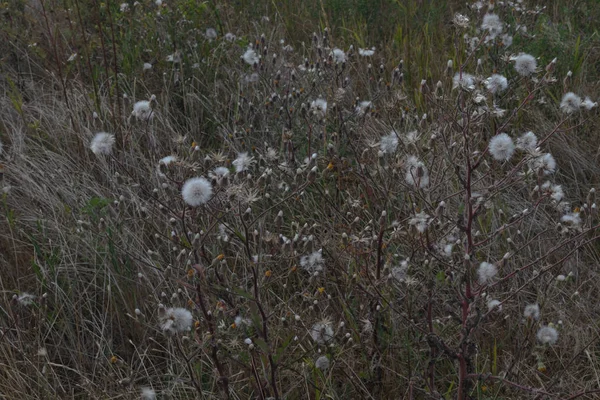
<point x="330" y="199"/>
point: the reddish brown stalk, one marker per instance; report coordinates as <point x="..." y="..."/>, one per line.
<point x="55" y="52"/>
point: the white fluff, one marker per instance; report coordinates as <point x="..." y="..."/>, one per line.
<point x="102" y="143"/>
<point x="196" y="191"/>
<point x="501" y="147"/>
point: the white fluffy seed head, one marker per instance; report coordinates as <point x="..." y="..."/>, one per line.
<point x="496" y="83"/>
<point x="338" y="55"/>
<point x="494" y="304"/>
<point x="588" y="104"/>
<point x="545" y="163"/>
<point x="463" y="80"/>
<point x="322" y="332"/>
<point x="313" y="262"/>
<point x="416" y="172"/>
<point x="547" y="335"/>
<point x="570" y="103"/>
<point x="319" y="108"/>
<point x="142" y="110"/>
<point x="102" y="143"/>
<point x="243" y="162"/>
<point x="486" y="272"/>
<point x="528" y="141"/>
<point x="196" y="191"/>
<point x="322" y="363"/>
<point x="501" y="147"/>
<point x="148" y="393"/>
<point x="492" y="24"/>
<point x="525" y="64"/>
<point x="532" y="311"/>
<point x="250" y="57"/>
<point x="389" y="143"/>
<point x="168" y="160"/>
<point x="175" y="320"/>
<point x="366" y="52"/>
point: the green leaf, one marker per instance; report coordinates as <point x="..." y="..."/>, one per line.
<point x="263" y="345"/>
<point x="281" y="349"/>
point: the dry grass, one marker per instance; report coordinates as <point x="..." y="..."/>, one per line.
<point x="105" y="242"/>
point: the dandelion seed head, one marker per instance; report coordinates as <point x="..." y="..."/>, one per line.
<point x="338" y="55"/>
<point x="176" y="320"/>
<point x="507" y="40"/>
<point x="588" y="104"/>
<point x="389" y="143"/>
<point x="528" y="141"/>
<point x="494" y="304"/>
<point x="555" y="191"/>
<point x="461" y="20"/>
<point x="547" y="335"/>
<point x="570" y="103"/>
<point x="319" y="108"/>
<point x="322" y="363"/>
<point x="250" y="57"/>
<point x="148" y="394"/>
<point x="486" y="272"/>
<point x="532" y="311"/>
<point x="411" y="137"/>
<point x="399" y="273"/>
<point x="243" y="162"/>
<point x="322" y="332"/>
<point x="102" y="143"/>
<point x="219" y="173"/>
<point x="420" y="221"/>
<point x="313" y="262"/>
<point x="545" y="163"/>
<point x="363" y="107"/>
<point x="496" y="83"/>
<point x="366" y="52"/>
<point x="492" y="24"/>
<point x="210" y="34"/>
<point x="168" y="160"/>
<point x="25" y="299"/>
<point x="572" y="219"/>
<point x="525" y="64"/>
<point x="501" y="147"/>
<point x="417" y="174"/>
<point x="464" y="81"/>
<point x="196" y="191"/>
<point x="142" y="110"/>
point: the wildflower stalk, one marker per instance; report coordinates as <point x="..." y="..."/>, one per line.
<point x="116" y="67"/>
<point x="264" y="331"/>
<point x="55" y="50"/>
<point x="105" y="59"/>
<point x="214" y="353"/>
<point x="190" y="368"/>
<point x="467" y="296"/>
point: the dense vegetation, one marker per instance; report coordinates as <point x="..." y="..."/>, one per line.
<point x="305" y="199"/>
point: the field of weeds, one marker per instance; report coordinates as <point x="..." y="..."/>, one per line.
<point x="334" y="199"/>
